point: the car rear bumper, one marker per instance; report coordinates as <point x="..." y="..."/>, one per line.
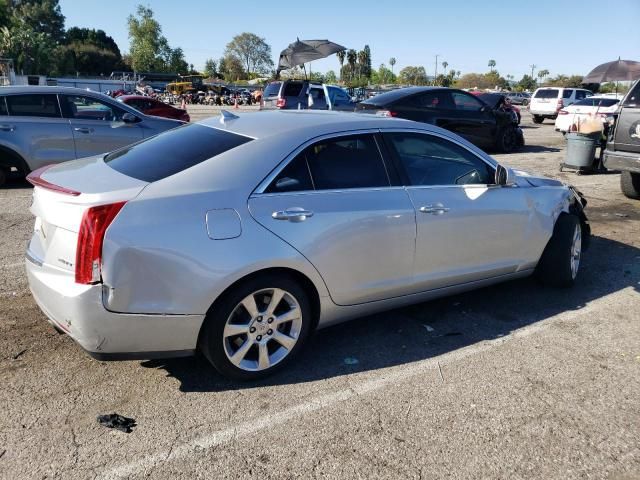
<point x="79" y="311"/>
<point x="617" y="160"/>
<point x="543" y="113"/>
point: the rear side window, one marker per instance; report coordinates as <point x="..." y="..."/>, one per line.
<point x="466" y="102"/>
<point x="3" y="106"/>
<point x="633" y="97"/>
<point x="567" y="94"/>
<point x="272" y="89"/>
<point x="292" y="89"/>
<point x="295" y="177"/>
<point x="596" y="102"/>
<point x="34" y="105"/>
<point x="547" y="93"/>
<point x="172" y="152"/>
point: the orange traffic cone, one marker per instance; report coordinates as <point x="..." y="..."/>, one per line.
<point x="235" y="103"/>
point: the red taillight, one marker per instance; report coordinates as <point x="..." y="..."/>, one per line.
<point x="281" y="102"/>
<point x="95" y="222"/>
<point x="35" y="179"/>
<point x="563" y="112"/>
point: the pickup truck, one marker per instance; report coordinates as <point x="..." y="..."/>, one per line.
<point x="623" y="145"/>
<point x="303" y="94"/>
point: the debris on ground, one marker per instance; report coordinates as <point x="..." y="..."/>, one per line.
<point x="351" y="361"/>
<point x="428" y="327"/>
<point x="19" y="354"/>
<point x="621" y="215"/>
<point x="113" y="420"/>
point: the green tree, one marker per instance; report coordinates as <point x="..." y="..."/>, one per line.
<point x="211" y="68"/>
<point x="527" y="82"/>
<point x="89" y="52"/>
<point x="341" y="56"/>
<point x="542" y="74"/>
<point x="146" y="40"/>
<point x="445" y="64"/>
<point x="491" y="65"/>
<point x="330" y="77"/>
<point x="362" y="63"/>
<point x="413" y="75"/>
<point x="366" y="61"/>
<point x="252" y="51"/>
<point x="392" y="62"/>
<point x="352" y="58"/>
<point x="234" y="70"/>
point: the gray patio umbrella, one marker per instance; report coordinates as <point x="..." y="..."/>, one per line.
<point x="303" y="51"/>
<point x="616" y="71"/>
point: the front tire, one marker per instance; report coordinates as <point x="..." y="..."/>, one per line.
<point x="4" y="174"/>
<point x="507" y="140"/>
<point x="630" y="185"/>
<point x="560" y="261"/>
<point x="538" y="119"/>
<point x="257" y="328"/>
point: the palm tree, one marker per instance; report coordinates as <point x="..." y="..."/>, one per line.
<point x="542" y="74"/>
<point x="362" y="62"/>
<point x="340" y="56"/>
<point x="491" y="64"/>
<point x="445" y="65"/>
<point x="352" y="58"/>
<point x="392" y="62"/>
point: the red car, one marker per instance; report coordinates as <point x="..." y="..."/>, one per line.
<point x="151" y="106"/>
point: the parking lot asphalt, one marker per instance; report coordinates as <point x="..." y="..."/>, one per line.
<point x="513" y="381"/>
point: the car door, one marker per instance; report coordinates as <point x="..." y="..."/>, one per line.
<point x="467" y="228"/>
<point x="340" y="100"/>
<point x="627" y="127"/>
<point x="434" y="107"/>
<point x="97" y="125"/>
<point x="334" y="204"/>
<point x="476" y="120"/>
<point x="34" y="127"/>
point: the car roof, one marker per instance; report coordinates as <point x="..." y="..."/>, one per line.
<point x="134" y="97"/>
<point x="399" y="93"/>
<point x="47" y="89"/>
<point x="305" y="123"/>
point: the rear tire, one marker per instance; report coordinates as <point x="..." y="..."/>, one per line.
<point x="560" y="261"/>
<point x="4" y="174"/>
<point x="630" y="185"/>
<point x="507" y="140"/>
<point x="245" y="346"/>
<point x="525" y="103"/>
<point x="538" y="119"/>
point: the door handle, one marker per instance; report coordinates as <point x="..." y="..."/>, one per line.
<point x="295" y="214"/>
<point x="83" y="129"/>
<point x="437" y="209"/>
<point x="7" y="128"/>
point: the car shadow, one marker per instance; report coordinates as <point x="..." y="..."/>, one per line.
<point x="433" y="328"/>
<point x="15" y="181"/>
<point x="537" y="149"/>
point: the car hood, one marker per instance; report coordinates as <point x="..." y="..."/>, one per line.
<point x="530" y="179"/>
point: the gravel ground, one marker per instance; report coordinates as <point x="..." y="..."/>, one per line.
<point x="512" y="381"/>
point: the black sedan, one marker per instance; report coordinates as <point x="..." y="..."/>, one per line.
<point x="483" y="124"/>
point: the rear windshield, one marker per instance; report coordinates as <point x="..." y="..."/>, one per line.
<point x="173" y="151"/>
<point x="292" y="89"/>
<point x="596" y="102"/>
<point x="272" y="89"/>
<point x="549" y="93"/>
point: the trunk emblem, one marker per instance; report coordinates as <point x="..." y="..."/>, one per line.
<point x="64" y="262"/>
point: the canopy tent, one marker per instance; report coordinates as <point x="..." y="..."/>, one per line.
<point x="303" y="51"/>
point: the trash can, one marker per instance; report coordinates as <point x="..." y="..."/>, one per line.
<point x="581" y="151"/>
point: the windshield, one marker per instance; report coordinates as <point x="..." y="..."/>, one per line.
<point x="173" y="151"/>
<point x="272" y="89"/>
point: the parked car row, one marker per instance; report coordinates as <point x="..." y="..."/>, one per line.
<point x="546" y="102"/>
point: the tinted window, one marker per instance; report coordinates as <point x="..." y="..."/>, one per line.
<point x="292" y="89"/>
<point x="596" y="102"/>
<point x="429" y="160"/>
<point x="3" y="106"/>
<point x="272" y="89"/>
<point x="293" y="178"/>
<point x="172" y="151"/>
<point x="89" y="108"/>
<point x="633" y="97"/>
<point x="438" y="100"/>
<point x="567" y="93"/>
<point x="547" y="93"/>
<point x="34" y="105"/>
<point x="466" y="102"/>
<point x="346" y="162"/>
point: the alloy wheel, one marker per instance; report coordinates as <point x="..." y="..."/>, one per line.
<point x="262" y="329"/>
<point x="576" y="250"/>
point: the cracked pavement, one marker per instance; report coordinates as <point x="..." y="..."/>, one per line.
<point x="512" y="381"/>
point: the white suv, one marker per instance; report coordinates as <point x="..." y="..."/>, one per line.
<point x="546" y="102"/>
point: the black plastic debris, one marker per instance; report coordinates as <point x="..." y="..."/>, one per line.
<point x="113" y="420"/>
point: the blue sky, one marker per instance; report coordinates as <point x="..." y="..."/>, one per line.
<point x="560" y="36"/>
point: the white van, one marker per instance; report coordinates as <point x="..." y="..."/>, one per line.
<point x="546" y="102"/>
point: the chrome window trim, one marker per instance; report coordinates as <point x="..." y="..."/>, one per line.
<point x="264" y="184"/>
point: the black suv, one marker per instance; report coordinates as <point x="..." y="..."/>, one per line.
<point x="623" y="144"/>
<point x="487" y="126"/>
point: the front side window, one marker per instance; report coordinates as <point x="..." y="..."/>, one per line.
<point x="429" y="160"/>
<point x="466" y="102"/>
<point x="633" y="97"/>
<point x="89" y="108"/>
<point x="34" y="105"/>
<point x="439" y="100"/>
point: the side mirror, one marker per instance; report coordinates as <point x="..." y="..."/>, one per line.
<point x="505" y="177"/>
<point x="130" y="118"/>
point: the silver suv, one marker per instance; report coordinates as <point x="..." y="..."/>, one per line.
<point x="44" y="125"/>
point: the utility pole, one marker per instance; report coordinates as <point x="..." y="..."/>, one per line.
<point x="435" y="75"/>
<point x="532" y="67"/>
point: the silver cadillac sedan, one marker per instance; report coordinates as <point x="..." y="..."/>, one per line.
<point x="240" y="235"/>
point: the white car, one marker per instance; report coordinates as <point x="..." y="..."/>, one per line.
<point x="581" y="111"/>
<point x="546" y="102"/>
